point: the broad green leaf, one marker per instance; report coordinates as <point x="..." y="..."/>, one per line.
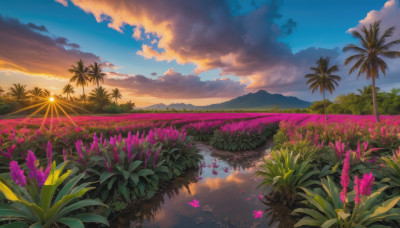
<point x="89" y="217"/>
<point x="72" y="222"/>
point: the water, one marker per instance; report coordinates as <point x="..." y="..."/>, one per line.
<point x="227" y="193"/>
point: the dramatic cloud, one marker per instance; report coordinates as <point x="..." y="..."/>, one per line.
<point x="210" y="34"/>
<point x="28" y="49"/>
<point x="174" y="85"/>
<point x="389" y="16"/>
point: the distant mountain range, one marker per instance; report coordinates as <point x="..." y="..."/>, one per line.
<point x="259" y="100"/>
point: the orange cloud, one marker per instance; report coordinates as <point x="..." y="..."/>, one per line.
<point x="28" y="49"/>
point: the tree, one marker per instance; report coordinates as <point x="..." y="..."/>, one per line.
<point x="18" y="92"/>
<point x="80" y="75"/>
<point x="323" y="79"/>
<point x="68" y="90"/>
<point x="96" y="74"/>
<point x="100" y="97"/>
<point x="46" y="93"/>
<point x="35" y="93"/>
<point x="368" y="59"/>
<point x="1" y="91"/>
<point x="116" y="94"/>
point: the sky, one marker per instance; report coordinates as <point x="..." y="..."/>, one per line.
<point x="199" y="51"/>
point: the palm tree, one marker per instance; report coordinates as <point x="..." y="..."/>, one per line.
<point x="1" y="90"/>
<point x="80" y="75"/>
<point x="323" y="79"/>
<point x="68" y="89"/>
<point x="100" y="97"/>
<point x="18" y="91"/>
<point x="116" y="94"/>
<point x="46" y="93"/>
<point x="369" y="55"/>
<point x="96" y="73"/>
<point x="35" y="93"/>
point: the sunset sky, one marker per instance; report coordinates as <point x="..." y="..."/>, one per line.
<point x="191" y="51"/>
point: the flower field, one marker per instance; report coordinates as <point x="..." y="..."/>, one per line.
<point x="344" y="172"/>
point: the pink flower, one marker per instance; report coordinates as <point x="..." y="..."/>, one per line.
<point x="363" y="186"/>
<point x="366" y="183"/>
<point x="260" y="196"/>
<point x="344" y="179"/>
<point x="226" y="169"/>
<point x="9" y="153"/>
<point x="195" y="203"/>
<point x="17" y="174"/>
<point x="214" y="172"/>
<point x="214" y="165"/>
<point x="258" y="214"/>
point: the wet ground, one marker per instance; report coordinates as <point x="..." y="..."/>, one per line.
<point x="226" y="189"/>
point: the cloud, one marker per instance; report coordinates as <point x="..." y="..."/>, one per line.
<point x="389" y="16"/>
<point x="24" y="48"/>
<point x="239" y="40"/>
<point x="63" y="2"/>
<point x="174" y="85"/>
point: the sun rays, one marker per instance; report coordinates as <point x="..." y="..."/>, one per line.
<point x="54" y="109"/>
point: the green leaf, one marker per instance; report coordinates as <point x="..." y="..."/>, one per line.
<point x="329" y="223"/>
<point x="18" y="224"/>
<point x="68" y="186"/>
<point x="72" y="222"/>
<point x="145" y="172"/>
<point x="134" y="178"/>
<point x="105" y="175"/>
<point x="80" y="204"/>
<point x="134" y="165"/>
<point x="89" y="217"/>
<point x="122" y="189"/>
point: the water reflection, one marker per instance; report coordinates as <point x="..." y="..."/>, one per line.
<point x="226" y="189"/>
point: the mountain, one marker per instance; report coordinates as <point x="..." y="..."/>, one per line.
<point x="259" y="100"/>
<point x="178" y="106"/>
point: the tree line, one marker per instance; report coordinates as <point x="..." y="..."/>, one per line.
<point x="99" y="99"/>
<point x="367" y="60"/>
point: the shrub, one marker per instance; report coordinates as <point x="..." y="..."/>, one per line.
<point x="286" y="173"/>
<point x="243" y="135"/>
<point x="35" y="202"/>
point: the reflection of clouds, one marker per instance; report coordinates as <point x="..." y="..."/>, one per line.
<point x="223" y="194"/>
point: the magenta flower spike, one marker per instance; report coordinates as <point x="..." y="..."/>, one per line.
<point x="17" y="174"/>
<point x="344" y="179"/>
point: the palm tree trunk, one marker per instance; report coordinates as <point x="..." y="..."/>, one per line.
<point x="84" y="97"/>
<point x="97" y="84"/>
<point x="326" y="115"/>
<point x="374" y="100"/>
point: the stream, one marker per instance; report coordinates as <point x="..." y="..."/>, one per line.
<point x="226" y="188"/>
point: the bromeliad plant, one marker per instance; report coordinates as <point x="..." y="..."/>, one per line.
<point x="359" y="208"/>
<point x="37" y="202"/>
<point x="391" y="168"/>
<point x="286" y="173"/>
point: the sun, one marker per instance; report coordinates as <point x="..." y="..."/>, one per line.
<point x="51" y="99"/>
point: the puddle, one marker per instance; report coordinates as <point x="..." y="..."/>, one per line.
<point x="226" y="189"/>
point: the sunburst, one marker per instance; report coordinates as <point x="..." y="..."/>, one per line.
<point x="54" y="107"/>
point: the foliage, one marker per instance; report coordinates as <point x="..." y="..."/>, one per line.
<point x="325" y="208"/>
<point x="286" y="173"/>
<point x="368" y="60"/>
<point x="244" y="135"/>
<point x="44" y="206"/>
